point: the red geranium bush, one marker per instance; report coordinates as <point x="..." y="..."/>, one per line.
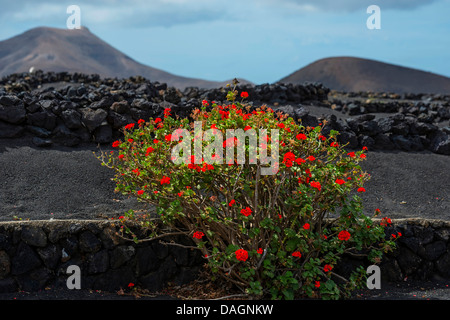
<point x="274" y="225"/>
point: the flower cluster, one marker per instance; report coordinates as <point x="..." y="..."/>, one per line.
<point x="198" y="235"/>
<point x="344" y="235"/>
<point x="246" y="211"/>
<point x="241" y="255"/>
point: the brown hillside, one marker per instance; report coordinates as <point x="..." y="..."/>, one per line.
<point x="356" y="74"/>
<point x="52" y="49"/>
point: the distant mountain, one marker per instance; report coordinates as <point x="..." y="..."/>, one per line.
<point x="52" y="49"/>
<point x="356" y="74"/>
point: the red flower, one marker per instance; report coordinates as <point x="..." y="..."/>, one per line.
<point x="205" y="103"/>
<point x="327" y="268"/>
<point x="224" y="114"/>
<point x="246" y="212"/>
<point x="168" y="137"/>
<point x="344" y="235"/>
<point x="244" y="94"/>
<point x="131" y="284"/>
<point x="316" y="185"/>
<point x="136" y="171"/>
<point x="351" y="154"/>
<point x="296" y="254"/>
<point x="241" y="255"/>
<point x="311" y="158"/>
<point x="362" y="156"/>
<point x="166" y="112"/>
<point x="260" y="251"/>
<point x="140" y="121"/>
<point x="155" y="141"/>
<point x="198" y="235"/>
<point x="149" y="150"/>
<point x="247" y="128"/>
<point x="140" y="192"/>
<point x="317" y="284"/>
<point x="306" y="226"/>
<point x="334" y="144"/>
<point x="158" y="120"/>
<point x="165" y="180"/>
<point x="281" y="125"/>
<point x="301" y="136"/>
<point x="288" y="158"/>
<point x="385" y="221"/>
<point x="340" y="181"/>
<point x="130" y="140"/>
<point x="323" y="138"/>
<point x="121" y="156"/>
<point x="116" y="144"/>
<point x="361" y="189"/>
<point x="232" y="202"/>
<point x="129" y="126"/>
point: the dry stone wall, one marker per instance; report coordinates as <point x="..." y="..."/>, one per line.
<point x="70" y="109"/>
<point x="37" y="254"/>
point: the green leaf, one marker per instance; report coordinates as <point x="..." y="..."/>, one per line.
<point x="288" y="294"/>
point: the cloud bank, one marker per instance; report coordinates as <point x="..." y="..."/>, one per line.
<point x="168" y="13"/>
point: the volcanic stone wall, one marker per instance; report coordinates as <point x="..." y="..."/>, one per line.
<point x="422" y="253"/>
<point x="90" y="109"/>
<point x="36" y="254"/>
<point x="69" y="109"/>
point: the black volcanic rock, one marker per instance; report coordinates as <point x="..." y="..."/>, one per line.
<point x="12" y="109"/>
<point x="440" y="143"/>
<point x="92" y="119"/>
<point x="8" y="130"/>
<point x="94" y="110"/>
<point x="71" y="118"/>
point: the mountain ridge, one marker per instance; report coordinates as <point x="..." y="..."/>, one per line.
<point x="353" y="74"/>
<point x="79" y="50"/>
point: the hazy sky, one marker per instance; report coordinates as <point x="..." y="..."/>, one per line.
<point x="259" y="40"/>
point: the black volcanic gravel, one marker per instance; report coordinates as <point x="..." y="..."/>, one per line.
<point x="70" y="183"/>
<point x="59" y="183"/>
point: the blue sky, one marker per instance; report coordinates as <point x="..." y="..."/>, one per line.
<point x="259" y="40"/>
